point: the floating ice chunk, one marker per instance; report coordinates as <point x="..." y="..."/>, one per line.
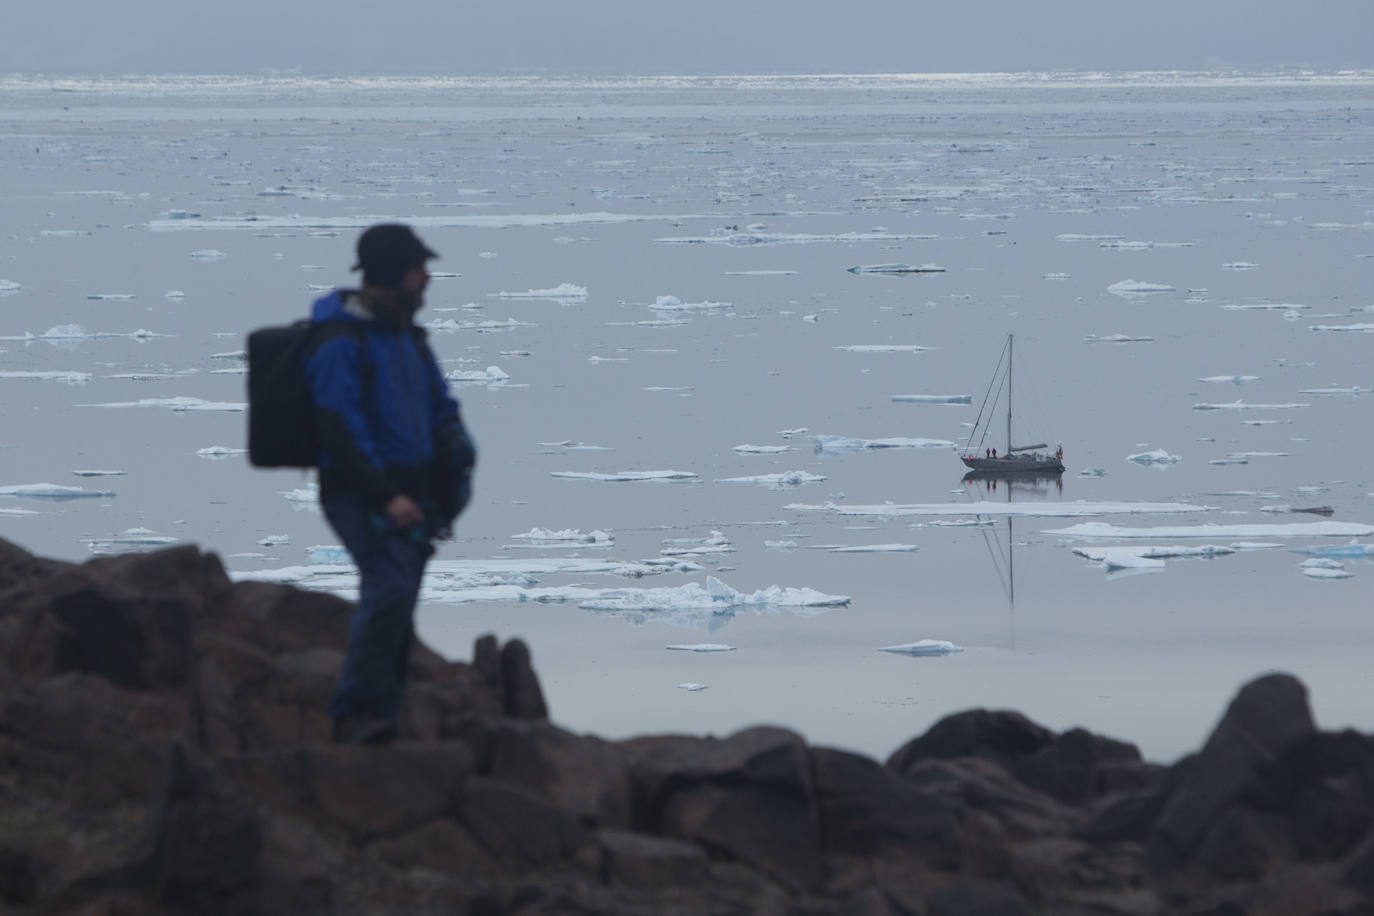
<point x="1309" y="510"/>
<point x="674" y="304"/>
<point x="70" y="378"/>
<point x="691" y="687"/>
<point x="1239" y="265"/>
<point x="1335" y="392"/>
<point x="1233" y="459"/>
<point x="310" y="493"/>
<point x="897" y="269"/>
<point x="449" y="324"/>
<point x="1264" y="307"/>
<point x="620" y="476"/>
<point x="563" y="291"/>
<point x="761" y="449"/>
<point x="884" y="348"/>
<point x="53" y="491"/>
<point x="1233" y="379"/>
<point x="1352" y="549"/>
<point x="178" y="214"/>
<point x="334" y="554"/>
<point x="16" y="513"/>
<point x="1078" y="237"/>
<point x="110" y="296"/>
<point x="780" y="545"/>
<point x="573" y="535"/>
<point x="1129" y="289"/>
<point x="1058" y="276"/>
<point x="1147" y="557"/>
<point x="796" y="238"/>
<point x="716" y="596"/>
<point x="924" y="647"/>
<point x="789" y="433"/>
<point x="1259" y="455"/>
<point x="489" y="374"/>
<point x="1360" y="327"/>
<point x="1036" y="509"/>
<point x="455" y="220"/>
<point x="1103" y="530"/>
<point x="275" y="540"/>
<point x="444" y="275"/>
<point x="100" y="473"/>
<point x="1241" y="405"/>
<point x="1324" y="568"/>
<point x="177" y="404"/>
<point x="1117" y="338"/>
<point x="877" y="548"/>
<point x="760" y="273"/>
<point x="1155" y="456"/>
<point x="776" y="481"/>
<point x="702" y="647"/>
<point x="216" y="452"/>
<point x="208" y="254"/>
<point x="948" y="399"/>
<point x="572" y="446"/>
<point x="1093" y="472"/>
<point x="1255" y="545"/>
<point x="9" y="287"/>
<point x="842" y="444"/>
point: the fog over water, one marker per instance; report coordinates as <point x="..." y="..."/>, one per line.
<point x="647" y="306"/>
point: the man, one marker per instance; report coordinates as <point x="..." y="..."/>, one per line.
<point x="395" y="465"/>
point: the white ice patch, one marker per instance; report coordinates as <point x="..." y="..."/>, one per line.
<point x="70" y="378"/>
<point x="691" y="686"/>
<point x="1242" y="405"/>
<point x="949" y="399"/>
<point x="1155" y="456"/>
<point x="16" y="513"/>
<point x="1129" y="289"/>
<point x="275" y="540"/>
<point x="9" y="287"/>
<point x="217" y="452"/>
<point x="884" y="348"/>
<point x="566" y="536"/>
<point x="1104" y="531"/>
<point x="702" y="647"/>
<point x="792" y="238"/>
<point x="877" y="548"/>
<point x="776" y="481"/>
<point x="94" y="473"/>
<point x="760" y="273"/>
<point x="716" y="596"/>
<point x="112" y="296"/>
<point x="625" y="476"/>
<point x="1352" y="550"/>
<point x="208" y="254"/>
<point x="451" y="324"/>
<point x="1233" y="379"/>
<point x="1034" y="510"/>
<point x="1360" y="327"/>
<point x="1080" y="237"/>
<point x="1335" y="392"/>
<point x="489" y="375"/>
<point x="1117" y="338"/>
<point x="843" y="444"/>
<point x="924" y="647"/>
<point x="761" y="449"/>
<point x="179" y="404"/>
<point x="1239" y="265"/>
<point x="1264" y="307"/>
<point x="897" y="269"/>
<point x="563" y="291"/>
<point x="53" y="491"/>
<point x="1323" y="568"/>
<point x="674" y="304"/>
<point x="1147" y="557"/>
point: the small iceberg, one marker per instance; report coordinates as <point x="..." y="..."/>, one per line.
<point x="1117" y="338"/>
<point x="53" y="491"/>
<point x="776" y="481"/>
<point x="691" y="687"/>
<point x="1155" y="456"/>
<point x="563" y="291"/>
<point x="111" y="296"/>
<point x="1146" y="557"/>
<point x="69" y="378"/>
<point x="1241" y="405"/>
<point x="1352" y="550"/>
<point x="1105" y="531"/>
<point x="843" y="444"/>
<point x="924" y="647"/>
<point x="702" y="647"/>
<point x="489" y="375"/>
<point x="100" y="473"/>
<point x="208" y="254"/>
<point x="674" y="304"/>
<point x="1323" y="568"/>
<point x="218" y="452"/>
<point x="715" y="596"/>
<point x="761" y="449"/>
<point x="1130" y="289"/>
<point x="1356" y="328"/>
<point x="897" y="269"/>
<point x="884" y="348"/>
<point x="9" y="287"/>
<point x="1233" y="379"/>
<point x="877" y="548"/>
<point x="566" y="536"/>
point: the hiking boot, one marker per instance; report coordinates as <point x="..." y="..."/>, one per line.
<point x="372" y="730"/>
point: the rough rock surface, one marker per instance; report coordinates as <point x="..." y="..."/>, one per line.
<point x="164" y="750"/>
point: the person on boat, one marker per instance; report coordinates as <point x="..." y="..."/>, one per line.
<point x="987" y="453"/>
<point x="994" y="453"/>
<point x="1059" y="452"/>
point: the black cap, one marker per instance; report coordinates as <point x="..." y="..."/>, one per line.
<point x="387" y="250"/>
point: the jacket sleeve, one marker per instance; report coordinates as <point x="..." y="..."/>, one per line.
<point x="455" y="455"/>
<point x="334" y="371"/>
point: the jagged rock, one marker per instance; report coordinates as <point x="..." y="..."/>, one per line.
<point x="515" y="825"/>
<point x="642" y="861"/>
<point x="524" y="697"/>
<point x="582" y="774"/>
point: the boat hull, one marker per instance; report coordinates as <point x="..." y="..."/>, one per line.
<point x="1033" y="464"/>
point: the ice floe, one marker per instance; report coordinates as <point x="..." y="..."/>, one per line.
<point x="1094" y="473"/>
<point x="1353" y="549"/>
<point x="1264" y="307"/>
<point x="275" y="540"/>
<point x="489" y="375"/>
<point x="924" y="647"/>
<point x="776" y="481"/>
<point x="70" y="378"/>
<point x="1030" y="509"/>
<point x="1334" y="392"/>
<point x="691" y="686"/>
<point x="1233" y="379"/>
<point x="1117" y="338"/>
<point x="445" y="221"/>
<point x="792" y="238"/>
<point x="95" y="473"/>
<point x="208" y="254"/>
<point x="53" y="491"/>
<point x="1360" y="327"/>
<point x="1242" y="405"/>
<point x="1232" y="459"/>
<point x="1239" y="265"/>
<point x="566" y="536"/>
<point x="15" y="513"/>
<point x="489" y="324"/>
<point x="884" y="348"/>
<point x="1154" y="456"/>
<point x="897" y="269"/>
<point x="715" y="596"/>
<point x="702" y="647"/>
<point x="178" y="404"/>
<point x="1104" y="531"/>
<point x="1081" y="237"/>
<point x="9" y="287"/>
<point x="842" y="444"/>
<point x="760" y="273"/>
<point x="217" y="452"/>
<point x="620" y="476"/>
<point x="112" y="296"/>
<point x="761" y="449"/>
<point x="948" y="399"/>
<point x="563" y="291"/>
<point x="1323" y="568"/>
<point x="1135" y="288"/>
<point x="674" y="304"/>
<point x="1146" y="557"/>
<point x="876" y="548"/>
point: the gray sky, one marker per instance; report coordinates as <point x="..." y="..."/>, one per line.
<point x="679" y="36"/>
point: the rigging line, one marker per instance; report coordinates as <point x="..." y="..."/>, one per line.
<point x="977" y="422"/>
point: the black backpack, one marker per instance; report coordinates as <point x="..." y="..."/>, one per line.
<point x="281" y="410"/>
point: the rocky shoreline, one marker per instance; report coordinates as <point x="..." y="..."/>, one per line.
<point x="164" y="750"/>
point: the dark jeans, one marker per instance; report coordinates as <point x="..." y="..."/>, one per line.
<point x="391" y="562"/>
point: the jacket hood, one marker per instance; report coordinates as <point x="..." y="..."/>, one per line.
<point x="340" y="305"/>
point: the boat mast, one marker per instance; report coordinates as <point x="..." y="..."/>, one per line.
<point x="1008" y="395"/>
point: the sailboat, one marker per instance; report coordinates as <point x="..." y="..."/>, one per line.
<point x="1016" y="459"/>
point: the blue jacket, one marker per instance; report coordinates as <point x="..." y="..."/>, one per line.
<point x="387" y="421"/>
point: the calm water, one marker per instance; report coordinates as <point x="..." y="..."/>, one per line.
<point x="1035" y="194"/>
